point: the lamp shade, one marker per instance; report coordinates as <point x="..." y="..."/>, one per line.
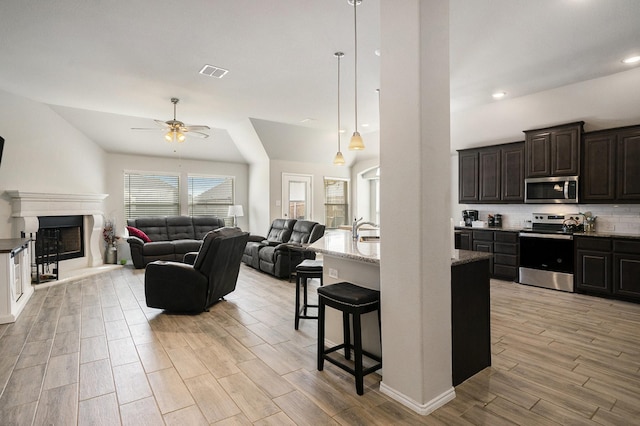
<point x="236" y="210"/>
<point x="356" y="143"/>
<point x="339" y="159"/>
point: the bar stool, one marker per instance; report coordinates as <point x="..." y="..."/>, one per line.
<point x="353" y="300"/>
<point x="305" y="270"/>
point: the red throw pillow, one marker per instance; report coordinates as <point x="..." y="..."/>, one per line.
<point x="138" y="233"/>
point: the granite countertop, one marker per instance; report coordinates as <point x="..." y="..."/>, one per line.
<point x="466" y="256"/>
<point x="338" y="242"/>
<point x="601" y="234"/>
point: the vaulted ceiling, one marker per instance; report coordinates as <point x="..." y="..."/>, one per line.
<point x="109" y="66"/>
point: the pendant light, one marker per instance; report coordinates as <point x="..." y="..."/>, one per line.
<point x="339" y="159"/>
<point x="356" y="143"/>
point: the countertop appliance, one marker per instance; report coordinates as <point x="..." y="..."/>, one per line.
<point x="551" y="190"/>
<point x="546" y="250"/>
<point x="469" y="216"/>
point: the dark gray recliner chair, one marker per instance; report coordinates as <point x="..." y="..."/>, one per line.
<point x="281" y="260"/>
<point x="279" y="233"/>
<point x="181" y="287"/>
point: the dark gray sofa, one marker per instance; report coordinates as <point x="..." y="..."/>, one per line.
<point x="282" y="249"/>
<point x="171" y="237"/>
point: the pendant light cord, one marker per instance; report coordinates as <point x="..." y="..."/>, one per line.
<point x="355" y="56"/>
<point x="339" y="56"/>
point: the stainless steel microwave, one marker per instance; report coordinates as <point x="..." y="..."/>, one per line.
<point x="551" y="190"/>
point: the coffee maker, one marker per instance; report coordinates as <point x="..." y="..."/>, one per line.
<point x="469" y="216"/>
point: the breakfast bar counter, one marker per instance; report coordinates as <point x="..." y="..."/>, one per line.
<point x="358" y="262"/>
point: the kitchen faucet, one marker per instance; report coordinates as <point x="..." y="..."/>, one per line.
<point x="357" y="224"/>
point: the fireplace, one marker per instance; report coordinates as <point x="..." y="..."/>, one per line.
<point x="62" y="234"/>
<point x="76" y="218"/>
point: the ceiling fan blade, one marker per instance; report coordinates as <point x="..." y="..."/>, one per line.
<point x="161" y="124"/>
<point x="197" y="134"/>
<point x="145" y="128"/>
<point x="195" y="128"/>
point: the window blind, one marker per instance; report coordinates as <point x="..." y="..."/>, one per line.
<point x="151" y="195"/>
<point x="336" y="194"/>
<point x="210" y="195"/>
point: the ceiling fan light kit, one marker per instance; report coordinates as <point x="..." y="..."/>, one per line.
<point x="176" y="130"/>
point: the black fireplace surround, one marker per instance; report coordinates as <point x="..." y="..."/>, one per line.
<point x="70" y="232"/>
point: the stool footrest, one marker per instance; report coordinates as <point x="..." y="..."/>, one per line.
<point x="351" y="370"/>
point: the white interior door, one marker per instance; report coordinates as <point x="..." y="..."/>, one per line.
<point x="297" y="198"/>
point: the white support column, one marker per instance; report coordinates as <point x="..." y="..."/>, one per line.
<point x="415" y="265"/>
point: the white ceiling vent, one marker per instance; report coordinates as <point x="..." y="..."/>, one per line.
<point x="212" y="71"/>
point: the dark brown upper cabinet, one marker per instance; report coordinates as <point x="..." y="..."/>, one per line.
<point x="598" y="177"/>
<point x="553" y="151"/>
<point x="489" y="177"/>
<point x="628" y="165"/>
<point x="493" y="174"/>
<point x="611" y="166"/>
<point x="468" y="176"/>
<point x="512" y="176"/>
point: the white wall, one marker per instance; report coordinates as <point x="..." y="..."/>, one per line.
<point x="360" y="190"/>
<point x="602" y="103"/>
<point x="118" y="163"/>
<point x="318" y="171"/>
<point x="44" y="153"/>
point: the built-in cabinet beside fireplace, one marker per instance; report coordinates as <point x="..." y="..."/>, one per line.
<point x="15" y="278"/>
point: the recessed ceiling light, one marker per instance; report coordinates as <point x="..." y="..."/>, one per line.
<point x="631" y="59"/>
<point x="377" y="52"/>
<point x="308" y="119"/>
<point x="365" y="125"/>
<point x="499" y="95"/>
<point x="213" y="71"/>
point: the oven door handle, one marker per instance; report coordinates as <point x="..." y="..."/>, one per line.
<point x="546" y="236"/>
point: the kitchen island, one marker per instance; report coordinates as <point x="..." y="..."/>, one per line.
<point x="358" y="262"/>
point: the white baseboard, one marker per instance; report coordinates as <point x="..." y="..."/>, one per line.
<point x="422" y="409"/>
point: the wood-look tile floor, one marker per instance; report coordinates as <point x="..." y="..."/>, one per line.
<point x="91" y="352"/>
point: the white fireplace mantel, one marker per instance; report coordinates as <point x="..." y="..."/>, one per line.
<point x="30" y="204"/>
<point x="26" y="207"/>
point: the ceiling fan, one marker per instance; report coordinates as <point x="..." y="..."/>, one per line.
<point x="175" y="130"/>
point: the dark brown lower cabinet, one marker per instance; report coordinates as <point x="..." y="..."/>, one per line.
<point x="506" y="255"/>
<point x="463" y="240"/>
<point x="483" y="241"/>
<point x="626" y="275"/>
<point x="608" y="267"/>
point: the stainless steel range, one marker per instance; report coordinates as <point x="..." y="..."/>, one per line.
<point x="546" y="251"/>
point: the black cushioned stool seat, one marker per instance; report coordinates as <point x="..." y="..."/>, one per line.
<point x="305" y="270"/>
<point x="353" y="300"/>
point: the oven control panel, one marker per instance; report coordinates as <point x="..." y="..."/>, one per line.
<point x="558" y="218"/>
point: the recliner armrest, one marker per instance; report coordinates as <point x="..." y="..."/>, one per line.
<point x="134" y="240"/>
<point x="190" y="258"/>
<point x="290" y="246"/>
<point x="256" y="238"/>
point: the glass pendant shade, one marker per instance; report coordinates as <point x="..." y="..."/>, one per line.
<point x="339" y="160"/>
<point x="356" y="143"/>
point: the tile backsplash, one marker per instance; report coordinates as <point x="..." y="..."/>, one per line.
<point x="618" y="218"/>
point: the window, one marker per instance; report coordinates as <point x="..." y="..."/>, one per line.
<point x="210" y="195"/>
<point x="151" y="194"/>
<point x="336" y="205"/>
